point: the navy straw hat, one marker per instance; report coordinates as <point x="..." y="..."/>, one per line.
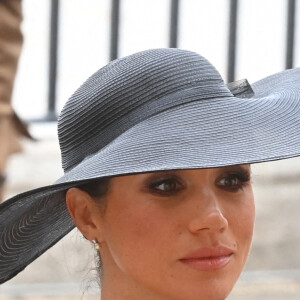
<point x="160" y="109"/>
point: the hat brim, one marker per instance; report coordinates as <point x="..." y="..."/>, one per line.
<point x="200" y="134"/>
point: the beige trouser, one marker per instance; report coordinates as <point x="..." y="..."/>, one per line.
<point x="11" y="41"/>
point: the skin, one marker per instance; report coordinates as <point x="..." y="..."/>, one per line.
<point x="148" y="222"/>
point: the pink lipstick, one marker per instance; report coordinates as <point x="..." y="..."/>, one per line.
<point x="208" y="258"/>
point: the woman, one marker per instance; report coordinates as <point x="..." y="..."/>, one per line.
<point x="156" y="151"/>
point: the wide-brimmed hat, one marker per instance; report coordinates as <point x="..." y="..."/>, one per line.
<point x="160" y="109"/>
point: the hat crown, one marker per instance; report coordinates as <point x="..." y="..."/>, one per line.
<point x="106" y="104"/>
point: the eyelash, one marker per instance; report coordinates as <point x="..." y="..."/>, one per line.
<point x="153" y="187"/>
<point x="240" y="178"/>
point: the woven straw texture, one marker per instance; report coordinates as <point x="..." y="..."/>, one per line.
<point x="155" y="110"/>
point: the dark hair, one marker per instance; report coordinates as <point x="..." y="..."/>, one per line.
<point x="97" y="189"/>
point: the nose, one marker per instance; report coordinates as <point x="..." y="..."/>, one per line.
<point x="208" y="217"/>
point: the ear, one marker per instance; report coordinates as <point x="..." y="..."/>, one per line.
<point x="85" y="213"/>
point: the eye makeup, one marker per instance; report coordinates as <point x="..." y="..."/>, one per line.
<point x="234" y="178"/>
<point x="171" y="183"/>
<point x="164" y="183"/>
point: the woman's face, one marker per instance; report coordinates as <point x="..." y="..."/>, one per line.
<point x="182" y="234"/>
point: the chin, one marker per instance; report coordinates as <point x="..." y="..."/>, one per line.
<point x="216" y="293"/>
<point x="211" y="286"/>
<point x="213" y="289"/>
<point x="213" y="294"/>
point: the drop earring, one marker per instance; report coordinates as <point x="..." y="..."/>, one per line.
<point x="96" y="244"/>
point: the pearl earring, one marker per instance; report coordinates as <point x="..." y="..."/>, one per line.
<point x="96" y="244"/>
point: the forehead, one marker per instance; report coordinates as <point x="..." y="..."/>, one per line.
<point x="182" y="172"/>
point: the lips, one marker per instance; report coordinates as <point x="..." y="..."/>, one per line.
<point x="208" y="258"/>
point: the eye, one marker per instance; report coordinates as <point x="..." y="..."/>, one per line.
<point x="234" y="181"/>
<point x="166" y="186"/>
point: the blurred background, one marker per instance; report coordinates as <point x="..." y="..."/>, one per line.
<point x="65" y="41"/>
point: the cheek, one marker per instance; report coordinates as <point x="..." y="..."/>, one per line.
<point x="247" y="218"/>
<point x="139" y="228"/>
<point x="242" y="224"/>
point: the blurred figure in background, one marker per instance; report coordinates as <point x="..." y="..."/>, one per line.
<point x="11" y="40"/>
